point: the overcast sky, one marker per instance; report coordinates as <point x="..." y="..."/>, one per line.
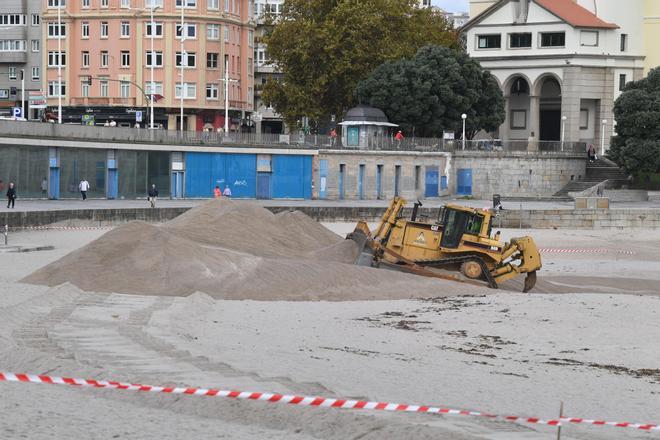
<point x="452" y="5"/>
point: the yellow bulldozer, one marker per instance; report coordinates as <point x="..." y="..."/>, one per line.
<point x="459" y="240"/>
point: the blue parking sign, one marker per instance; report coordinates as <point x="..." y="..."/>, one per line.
<point x="17" y="112"/>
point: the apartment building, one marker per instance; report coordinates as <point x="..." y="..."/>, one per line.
<point x="265" y="118"/>
<point x="20" y="55"/>
<point x="651" y="34"/>
<point x="560" y="63"/>
<point x="108" y="51"/>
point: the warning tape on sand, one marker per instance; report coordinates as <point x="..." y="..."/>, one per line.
<point x="584" y="251"/>
<point x="59" y="228"/>
<point x="321" y="402"/>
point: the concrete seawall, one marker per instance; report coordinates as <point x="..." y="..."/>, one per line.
<point x="541" y="219"/>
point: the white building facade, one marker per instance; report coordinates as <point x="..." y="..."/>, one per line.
<point x="560" y="63"/>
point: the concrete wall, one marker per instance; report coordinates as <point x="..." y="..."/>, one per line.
<point x="517" y="174"/>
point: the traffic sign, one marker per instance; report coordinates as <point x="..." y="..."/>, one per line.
<point x="138" y="116"/>
<point x="17" y="112"/>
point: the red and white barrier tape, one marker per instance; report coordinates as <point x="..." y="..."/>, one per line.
<point x="584" y="251"/>
<point x="321" y="402"/>
<point x="59" y="228"/>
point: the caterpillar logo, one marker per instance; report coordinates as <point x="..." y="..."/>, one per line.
<point x="420" y="239"/>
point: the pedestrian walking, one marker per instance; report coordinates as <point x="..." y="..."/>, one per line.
<point x="333" y="137"/>
<point x="11" y="195"/>
<point x="227" y="192"/>
<point x="83" y="186"/>
<point x="152" y="195"/>
<point x="216" y="192"/>
<point x="44" y="188"/>
<point x="399" y="138"/>
<point x="591" y="153"/>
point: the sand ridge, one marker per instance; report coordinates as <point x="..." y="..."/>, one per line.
<point x="231" y="250"/>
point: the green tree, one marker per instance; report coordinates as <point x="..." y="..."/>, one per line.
<point x="325" y="47"/>
<point x="428" y="93"/>
<point x="636" y="147"/>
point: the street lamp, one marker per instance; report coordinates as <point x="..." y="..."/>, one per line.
<point x="23" y="94"/>
<point x="227" y="81"/>
<point x="464" y="117"/>
<point x="602" y="138"/>
<point x="153" y="7"/>
<point x="563" y="131"/>
<point x="182" y="56"/>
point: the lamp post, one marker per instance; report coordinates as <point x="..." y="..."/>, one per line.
<point x="23" y="93"/>
<point x="153" y="7"/>
<point x="59" y="62"/>
<point x="464" y="117"/>
<point x="227" y="81"/>
<point x="182" y="56"/>
<point x="563" y="131"/>
<point x="602" y="138"/>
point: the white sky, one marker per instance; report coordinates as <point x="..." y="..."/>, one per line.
<point x="452" y="5"/>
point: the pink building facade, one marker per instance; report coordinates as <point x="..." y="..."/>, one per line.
<point x="105" y="50"/>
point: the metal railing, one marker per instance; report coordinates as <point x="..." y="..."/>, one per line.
<point x="299" y="140"/>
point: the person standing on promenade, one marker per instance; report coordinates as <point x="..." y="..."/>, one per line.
<point x="83" y="186"/>
<point x="11" y="195"/>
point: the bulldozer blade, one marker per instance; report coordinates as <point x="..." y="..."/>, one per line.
<point x="365" y="256"/>
<point x="530" y="282"/>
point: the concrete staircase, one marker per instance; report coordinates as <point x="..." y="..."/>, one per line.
<point x="597" y="172"/>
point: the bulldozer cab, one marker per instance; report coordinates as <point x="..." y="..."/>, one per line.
<point x="456" y="223"/>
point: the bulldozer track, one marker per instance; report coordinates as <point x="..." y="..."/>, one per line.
<point x="458" y="260"/>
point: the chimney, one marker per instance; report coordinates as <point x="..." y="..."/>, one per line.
<point x="521" y="10"/>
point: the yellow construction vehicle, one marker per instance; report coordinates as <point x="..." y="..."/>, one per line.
<point x="459" y="240"/>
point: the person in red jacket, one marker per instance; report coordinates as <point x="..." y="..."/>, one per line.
<point x="399" y="138"/>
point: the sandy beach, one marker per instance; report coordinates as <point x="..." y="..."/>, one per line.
<point x="587" y="336"/>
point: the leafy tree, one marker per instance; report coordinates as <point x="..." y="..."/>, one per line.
<point x="636" y="147"/>
<point x="325" y="47"/>
<point x="429" y="93"/>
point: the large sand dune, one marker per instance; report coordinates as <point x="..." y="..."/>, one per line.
<point x="233" y="251"/>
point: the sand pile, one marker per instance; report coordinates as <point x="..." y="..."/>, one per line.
<point x="231" y="250"/>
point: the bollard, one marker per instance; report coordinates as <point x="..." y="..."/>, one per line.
<point x="561" y="414"/>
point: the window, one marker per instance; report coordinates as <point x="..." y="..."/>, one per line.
<point x="212" y="4"/>
<point x="624" y="42"/>
<point x="125" y="29"/>
<point x="4" y="93"/>
<point x="190" y="30"/>
<point x="85" y="59"/>
<point x="622" y="82"/>
<point x="153" y="3"/>
<point x="125" y="59"/>
<point x="12" y="19"/>
<point x="553" y="39"/>
<point x="56" y="58"/>
<point x="489" y="41"/>
<point x="155" y="59"/>
<point x="84" y="88"/>
<point x="125" y="3"/>
<point x="251" y="38"/>
<point x="36" y="20"/>
<point x="189" y="59"/>
<point x="104" y="58"/>
<point x="104" y="29"/>
<point x="157" y="88"/>
<point x="35" y="74"/>
<point x="35" y="45"/>
<point x="104" y="3"/>
<point x="211" y="60"/>
<point x="213" y="31"/>
<point x="186" y="3"/>
<point x="54" y="88"/>
<point x="227" y="32"/>
<point x="227" y="5"/>
<point x="55" y="31"/>
<point x="84" y="29"/>
<point x="85" y="3"/>
<point x="125" y="89"/>
<point x="56" y="3"/>
<point x="249" y="66"/>
<point x="589" y="38"/>
<point x="12" y="45"/>
<point x="584" y="119"/>
<point x="189" y="90"/>
<point x="212" y="91"/>
<point x="517" y="41"/>
<point x="12" y="73"/>
<point x="156" y="28"/>
<point x="105" y="90"/>
<point x="518" y="119"/>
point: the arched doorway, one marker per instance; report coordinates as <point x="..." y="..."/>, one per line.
<point x="549" y="109"/>
<point x="519" y="107"/>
